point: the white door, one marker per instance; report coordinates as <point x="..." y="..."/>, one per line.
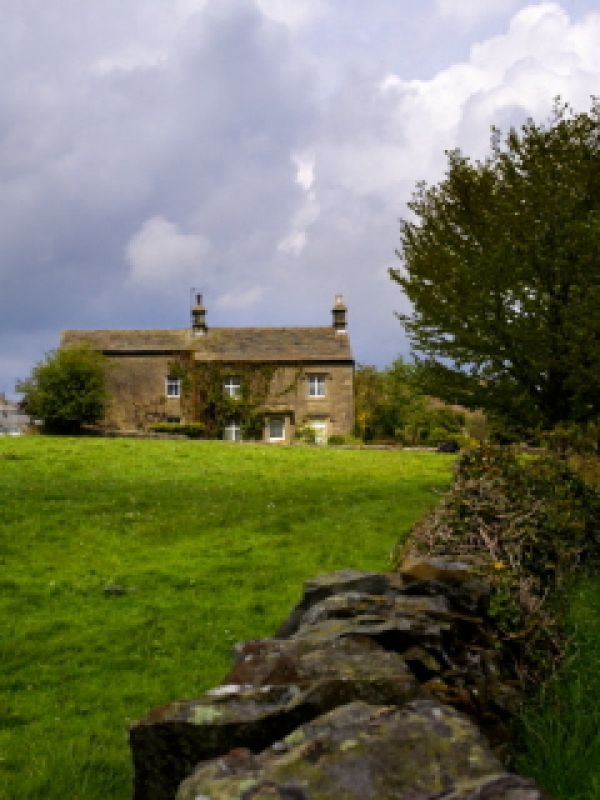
<point x="319" y="426"/>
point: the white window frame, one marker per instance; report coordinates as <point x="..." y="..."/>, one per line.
<point x="172" y="386"/>
<point x="316" y="385"/>
<point x="270" y="435"/>
<point x="232" y="386"/>
<point x="232" y="432"/>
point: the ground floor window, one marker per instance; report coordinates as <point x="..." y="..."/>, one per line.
<point x="232" y="431"/>
<point x="276" y="429"/>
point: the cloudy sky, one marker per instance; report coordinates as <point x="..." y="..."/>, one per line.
<point x="261" y="150"/>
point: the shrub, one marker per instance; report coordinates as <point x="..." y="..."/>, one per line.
<point x="67" y="390"/>
<point x="525" y="523"/>
<point x="536" y="515"/>
<point x="336" y="438"/>
<point x="193" y="430"/>
<point x="306" y="434"/>
<point x="580" y="443"/>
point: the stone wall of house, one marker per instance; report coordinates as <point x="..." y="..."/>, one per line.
<point x="339" y="397"/>
<point x="136" y="384"/>
<point x="336" y="407"/>
<point x="375" y="687"/>
<point x="137" y="389"/>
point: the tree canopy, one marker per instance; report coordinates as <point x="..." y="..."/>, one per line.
<point x="391" y="406"/>
<point x="67" y="389"/>
<point x="502" y="266"/>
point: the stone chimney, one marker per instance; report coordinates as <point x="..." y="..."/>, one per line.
<point x="198" y="315"/>
<point x="339" y="313"/>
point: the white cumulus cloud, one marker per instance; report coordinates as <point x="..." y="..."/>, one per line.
<point x="242" y="298"/>
<point x="396" y="131"/>
<point x="473" y="11"/>
<point x="305" y="169"/>
<point x="160" y="254"/>
<point x="296" y="14"/>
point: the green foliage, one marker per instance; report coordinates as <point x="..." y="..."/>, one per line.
<point x="502" y="268"/>
<point x="391" y="406"/>
<point x="336" y="439"/>
<point x="204" y="398"/>
<point x="193" y="430"/>
<point x="67" y="389"/>
<point x="556" y="739"/>
<point x="569" y="437"/>
<point x="580" y="444"/>
<point x="211" y="543"/>
<point x="434" y="425"/>
<point x="305" y="434"/>
<point x="527" y="524"/>
<point x="386" y="401"/>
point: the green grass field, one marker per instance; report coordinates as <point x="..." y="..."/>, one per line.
<point x="211" y="542"/>
<point x="559" y="742"/>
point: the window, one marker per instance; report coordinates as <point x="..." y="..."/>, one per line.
<point x="232" y="387"/>
<point x="232" y="431"/>
<point x="276" y="429"/>
<point x="173" y="419"/>
<point x="173" y="386"/>
<point x="316" y="385"/>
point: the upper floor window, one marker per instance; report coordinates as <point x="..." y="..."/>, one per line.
<point x="316" y="385"/>
<point x="173" y="386"/>
<point x="232" y="386"/>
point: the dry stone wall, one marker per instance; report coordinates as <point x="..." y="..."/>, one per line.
<point x="377" y="687"/>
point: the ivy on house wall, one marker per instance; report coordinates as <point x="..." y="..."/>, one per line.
<point x="204" y="399"/>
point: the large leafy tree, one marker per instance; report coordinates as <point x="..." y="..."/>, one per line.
<point x="502" y="265"/>
<point x="67" y="389"/>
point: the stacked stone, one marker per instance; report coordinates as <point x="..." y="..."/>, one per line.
<point x="375" y="687"/>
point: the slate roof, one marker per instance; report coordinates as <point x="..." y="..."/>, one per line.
<point x="223" y="344"/>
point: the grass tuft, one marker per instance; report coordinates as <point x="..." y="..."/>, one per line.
<point x="558" y="739"/>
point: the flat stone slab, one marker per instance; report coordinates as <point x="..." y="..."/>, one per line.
<point x="281" y="685"/>
<point x="452" y="572"/>
<point x="327" y="585"/>
<point x="450" y="585"/>
<point x="363" y="752"/>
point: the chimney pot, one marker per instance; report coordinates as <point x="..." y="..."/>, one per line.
<point x="339" y="313"/>
<point x="198" y="314"/>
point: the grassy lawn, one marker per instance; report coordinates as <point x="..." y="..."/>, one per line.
<point x="560" y="741"/>
<point x="211" y="543"/>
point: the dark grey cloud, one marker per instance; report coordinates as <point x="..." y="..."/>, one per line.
<point x="93" y="150"/>
<point x="262" y="151"/>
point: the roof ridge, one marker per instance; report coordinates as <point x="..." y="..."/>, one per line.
<point x="291" y="343"/>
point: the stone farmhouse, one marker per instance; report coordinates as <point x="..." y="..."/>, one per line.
<point x="257" y="383"/>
